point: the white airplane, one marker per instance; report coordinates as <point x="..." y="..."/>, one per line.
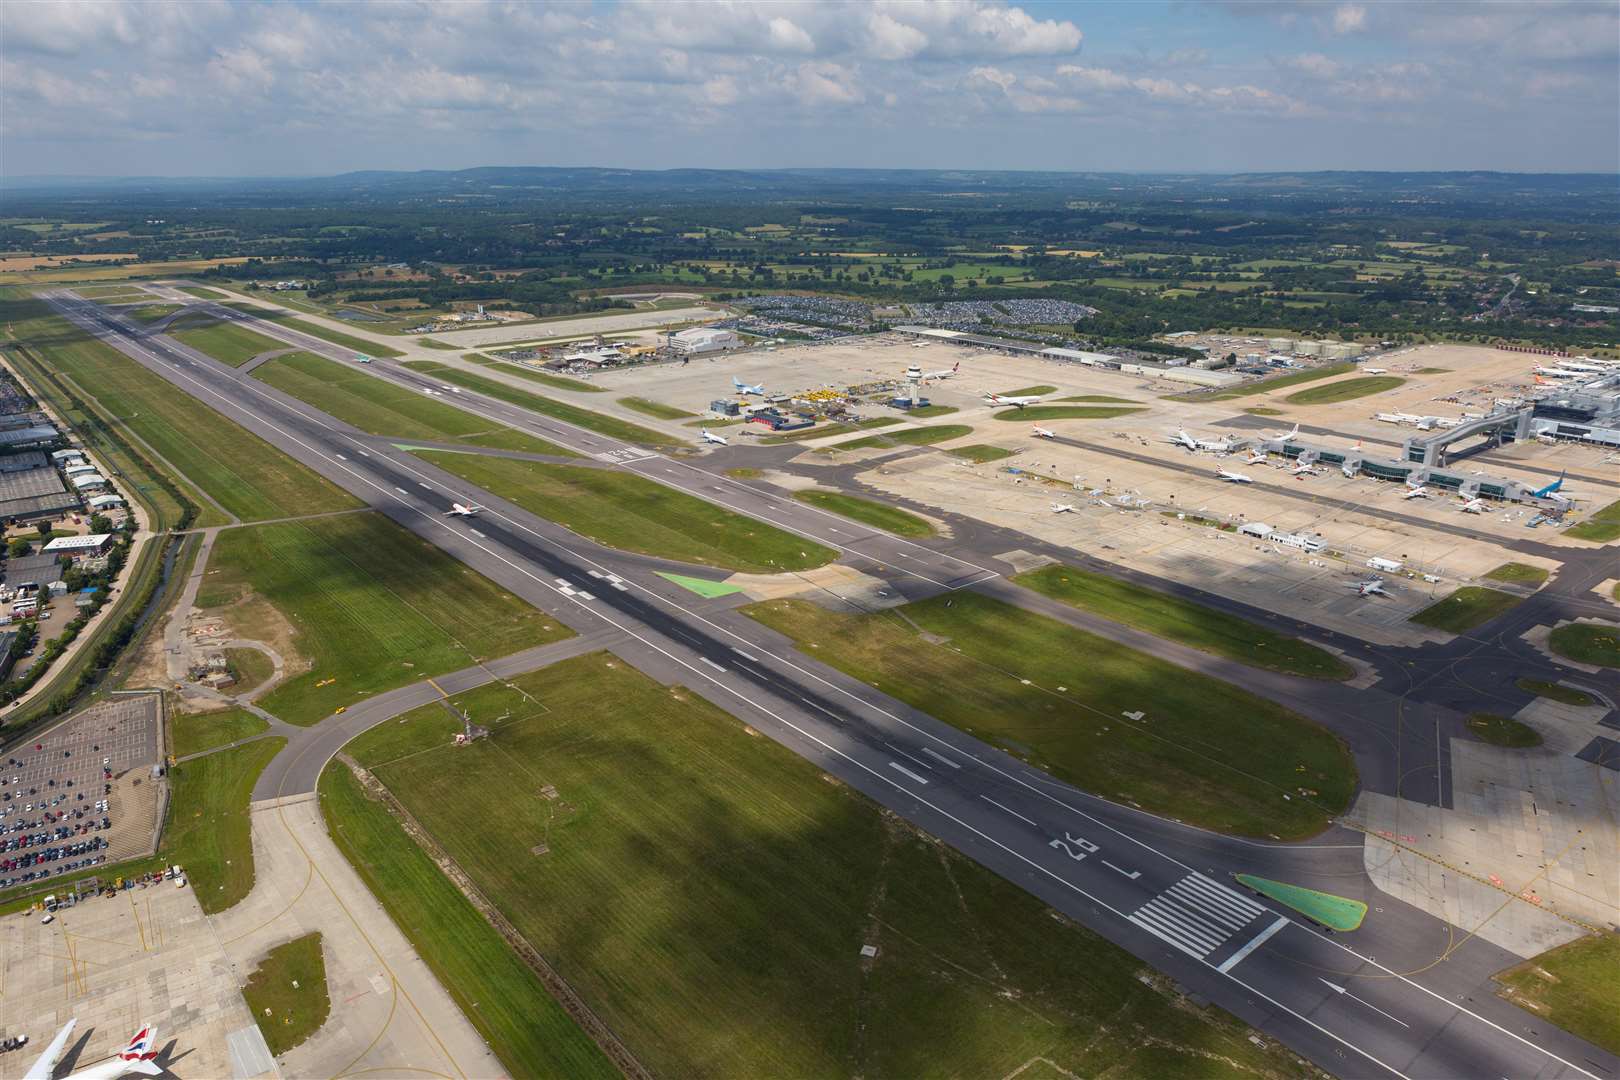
<point x="135" y="1059"/>
<point x="1474" y="506"/>
<point x="1256" y="457"/>
<point x="1286" y="435"/>
<point x="709" y="436"/>
<point x="1233" y="477"/>
<point x="1370" y="587"/>
<point x="1213" y="446"/>
<point x="1044" y="433"/>
<point x="1062" y="508"/>
<point x="460" y="510"/>
<point x="1557" y="373"/>
<point x="948" y="373"/>
<point x="1375" y="370"/>
<point x="1419" y="492"/>
<point x="744" y="388"/>
<point x="1304" y="468"/>
<point x="1015" y="402"/>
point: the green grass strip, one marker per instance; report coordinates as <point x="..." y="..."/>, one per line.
<point x="1465" y="609"/>
<point x="287" y="993"/>
<point x="1600" y="527"/>
<point x="867" y="512"/>
<point x="1336" y="912"/>
<point x="1588" y="643"/>
<point x="917" y="436"/>
<point x="1036" y="413"/>
<point x="702" y="586"/>
<point x="655" y="409"/>
<point x="1346" y="390"/>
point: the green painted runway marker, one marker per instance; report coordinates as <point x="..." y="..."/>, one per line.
<point x="701" y="586"/>
<point x="1334" y="912"/>
<point x="412" y="447"/>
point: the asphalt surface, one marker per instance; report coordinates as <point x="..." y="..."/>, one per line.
<point x="1406" y="995"/>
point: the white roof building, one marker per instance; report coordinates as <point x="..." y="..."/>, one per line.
<point x="105" y="502"/>
<point x="704" y="339"/>
<point x="86" y="481"/>
<point x="77" y="545"/>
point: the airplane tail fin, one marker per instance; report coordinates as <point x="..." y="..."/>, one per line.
<point x="142" y="1046"/>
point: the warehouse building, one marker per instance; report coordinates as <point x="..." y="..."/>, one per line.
<point x="33" y="492"/>
<point x="33" y="572"/>
<point x="703" y="339"/>
<point x="79" y="546"/>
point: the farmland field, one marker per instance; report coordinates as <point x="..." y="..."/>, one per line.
<point x="373" y="607"/>
<point x="973" y="977"/>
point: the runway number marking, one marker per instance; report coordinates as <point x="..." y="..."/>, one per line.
<point x="1082" y="847"/>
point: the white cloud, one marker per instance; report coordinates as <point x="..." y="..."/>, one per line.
<point x="1348" y="18"/>
<point x="1315" y="64"/>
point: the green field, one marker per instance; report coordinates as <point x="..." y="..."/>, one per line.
<point x="1030" y="391"/>
<point x="1588" y="643"/>
<point x="973" y="977"/>
<point x="821" y="431"/>
<point x="1552" y="691"/>
<point x="928" y="412"/>
<point x="1103" y="398"/>
<point x="1518" y="573"/>
<point x="1267" y="385"/>
<point x="383" y="408"/>
<point x="1185" y="621"/>
<point x="1036" y="413"/>
<point x="911" y="436"/>
<point x="980" y="453"/>
<point x="243" y="473"/>
<point x="192" y="733"/>
<point x="503" y="999"/>
<point x="227" y="342"/>
<point x="153" y="313"/>
<point x="1345" y="390"/>
<point x="512" y="367"/>
<point x="203" y="293"/>
<point x="868" y="512"/>
<point x="336" y="337"/>
<point x="632" y="513"/>
<point x="373" y="607"/>
<point x="1572" y="987"/>
<point x="287" y="993"/>
<point x="1465" y="609"/>
<point x="1601" y="526"/>
<point x="207" y="832"/>
<point x="601" y="423"/>
<point x="1502" y="731"/>
<point x="655" y="409"/>
<point x="1056" y="697"/>
<point x="251" y="667"/>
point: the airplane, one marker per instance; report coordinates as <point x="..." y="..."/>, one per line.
<point x="1286" y="435"/>
<point x="1370" y="587"/>
<point x="1062" y="508"/>
<point x="1419" y="492"/>
<point x="1474" y="506"/>
<point x="459" y="510"/>
<point x="361" y="358"/>
<point x="1304" y="468"/>
<point x="1214" y="446"/>
<point x="1233" y="477"/>
<point x="948" y="373"/>
<point x="744" y="388"/>
<point x="1015" y="402"/>
<point x="1374" y="370"/>
<point x="1044" y="433"/>
<point x="709" y="436"/>
<point x="1256" y="457"/>
<point x="135" y="1059"/>
<point x="1551" y="490"/>
<point x="1558" y="373"/>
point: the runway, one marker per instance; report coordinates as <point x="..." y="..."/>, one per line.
<point x="1407" y="995"/>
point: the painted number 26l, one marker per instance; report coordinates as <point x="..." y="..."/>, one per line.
<point x="1075" y="847"/>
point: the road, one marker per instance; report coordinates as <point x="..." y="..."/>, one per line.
<point x="1416" y="995"/>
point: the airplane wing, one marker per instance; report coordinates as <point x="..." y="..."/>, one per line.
<point x="44" y="1066"/>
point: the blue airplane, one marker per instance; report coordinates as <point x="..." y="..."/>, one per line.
<point x="1552" y="489"/>
<point x="744" y="388"/>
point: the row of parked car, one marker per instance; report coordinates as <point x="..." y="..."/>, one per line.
<point x="45" y="862"/>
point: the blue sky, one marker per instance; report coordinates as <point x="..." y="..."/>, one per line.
<point x="211" y="87"/>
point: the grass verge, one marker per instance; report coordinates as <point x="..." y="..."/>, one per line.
<point x="512" y="367"/>
<point x="384" y="408"/>
<point x="287" y="993"/>
<point x="1588" y="643"/>
<point x="1057" y="697"/>
<point x="1572" y="987"/>
<point x="916" y="436"/>
<point x="1503" y="731"/>
<point x="973" y="976"/>
<point x="1345" y="390"/>
<point x="1565" y="695"/>
<point x="1030" y="391"/>
<point x="152" y="314"/>
<point x="1518" y="574"/>
<point x="336" y="337"/>
<point x="503" y="999"/>
<point x="203" y="293"/>
<point x="208" y="830"/>
<point x="228" y="342"/>
<point x="656" y="409"/>
<point x="980" y="453"/>
<point x="1185" y="621"/>
<point x="928" y="412"/>
<point x="1268" y="385"/>
<point x="601" y="423"/>
<point x="192" y="733"/>
<point x="876" y="514"/>
<point x="374" y="607"/>
<point x="1035" y="413"/>
<point x="1601" y="527"/>
<point x="1465" y="609"/>
<point x="632" y="513"/>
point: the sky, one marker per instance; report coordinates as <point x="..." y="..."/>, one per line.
<point x="217" y="88"/>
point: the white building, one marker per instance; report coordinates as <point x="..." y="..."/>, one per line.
<point x="89" y="482"/>
<point x="93" y="544"/>
<point x="703" y="340"/>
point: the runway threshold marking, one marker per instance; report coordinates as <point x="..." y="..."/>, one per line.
<point x="899" y="768"/>
<point x="1254" y="943"/>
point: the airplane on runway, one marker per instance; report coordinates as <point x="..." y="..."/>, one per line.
<point x="1474" y="506"/>
<point x="947" y="373"/>
<point x="1044" y="433"/>
<point x="709" y="436"/>
<point x="1419" y="492"/>
<point x="1062" y="508"/>
<point x="744" y="388"/>
<point x="1015" y="402"/>
<point x="361" y="358"/>
<point x="1233" y="477"/>
<point x="135" y="1059"/>
<point x="1213" y="446"/>
<point x="458" y="510"/>
<point x="1370" y="587"/>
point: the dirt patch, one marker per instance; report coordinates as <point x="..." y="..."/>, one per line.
<point x="254" y="618"/>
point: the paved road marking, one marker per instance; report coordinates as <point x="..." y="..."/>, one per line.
<point x="566" y="590"/>
<point x="940" y="757"/>
<point x="896" y="766"/>
<point x="621" y="586"/>
<point x="583" y="595"/>
<point x="1337" y="989"/>
<point x="1009" y="810"/>
<point x="711" y="663"/>
<point x="907" y="755"/>
<point x="1132" y="874"/>
<point x="478" y="534"/>
<point x="745" y="656"/>
<point x="594" y="573"/>
<point x="402" y="491"/>
<point x="1254" y="943"/>
<point x="1196" y="915"/>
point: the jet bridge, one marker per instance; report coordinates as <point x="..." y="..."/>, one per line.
<point x="1429" y="448"/>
